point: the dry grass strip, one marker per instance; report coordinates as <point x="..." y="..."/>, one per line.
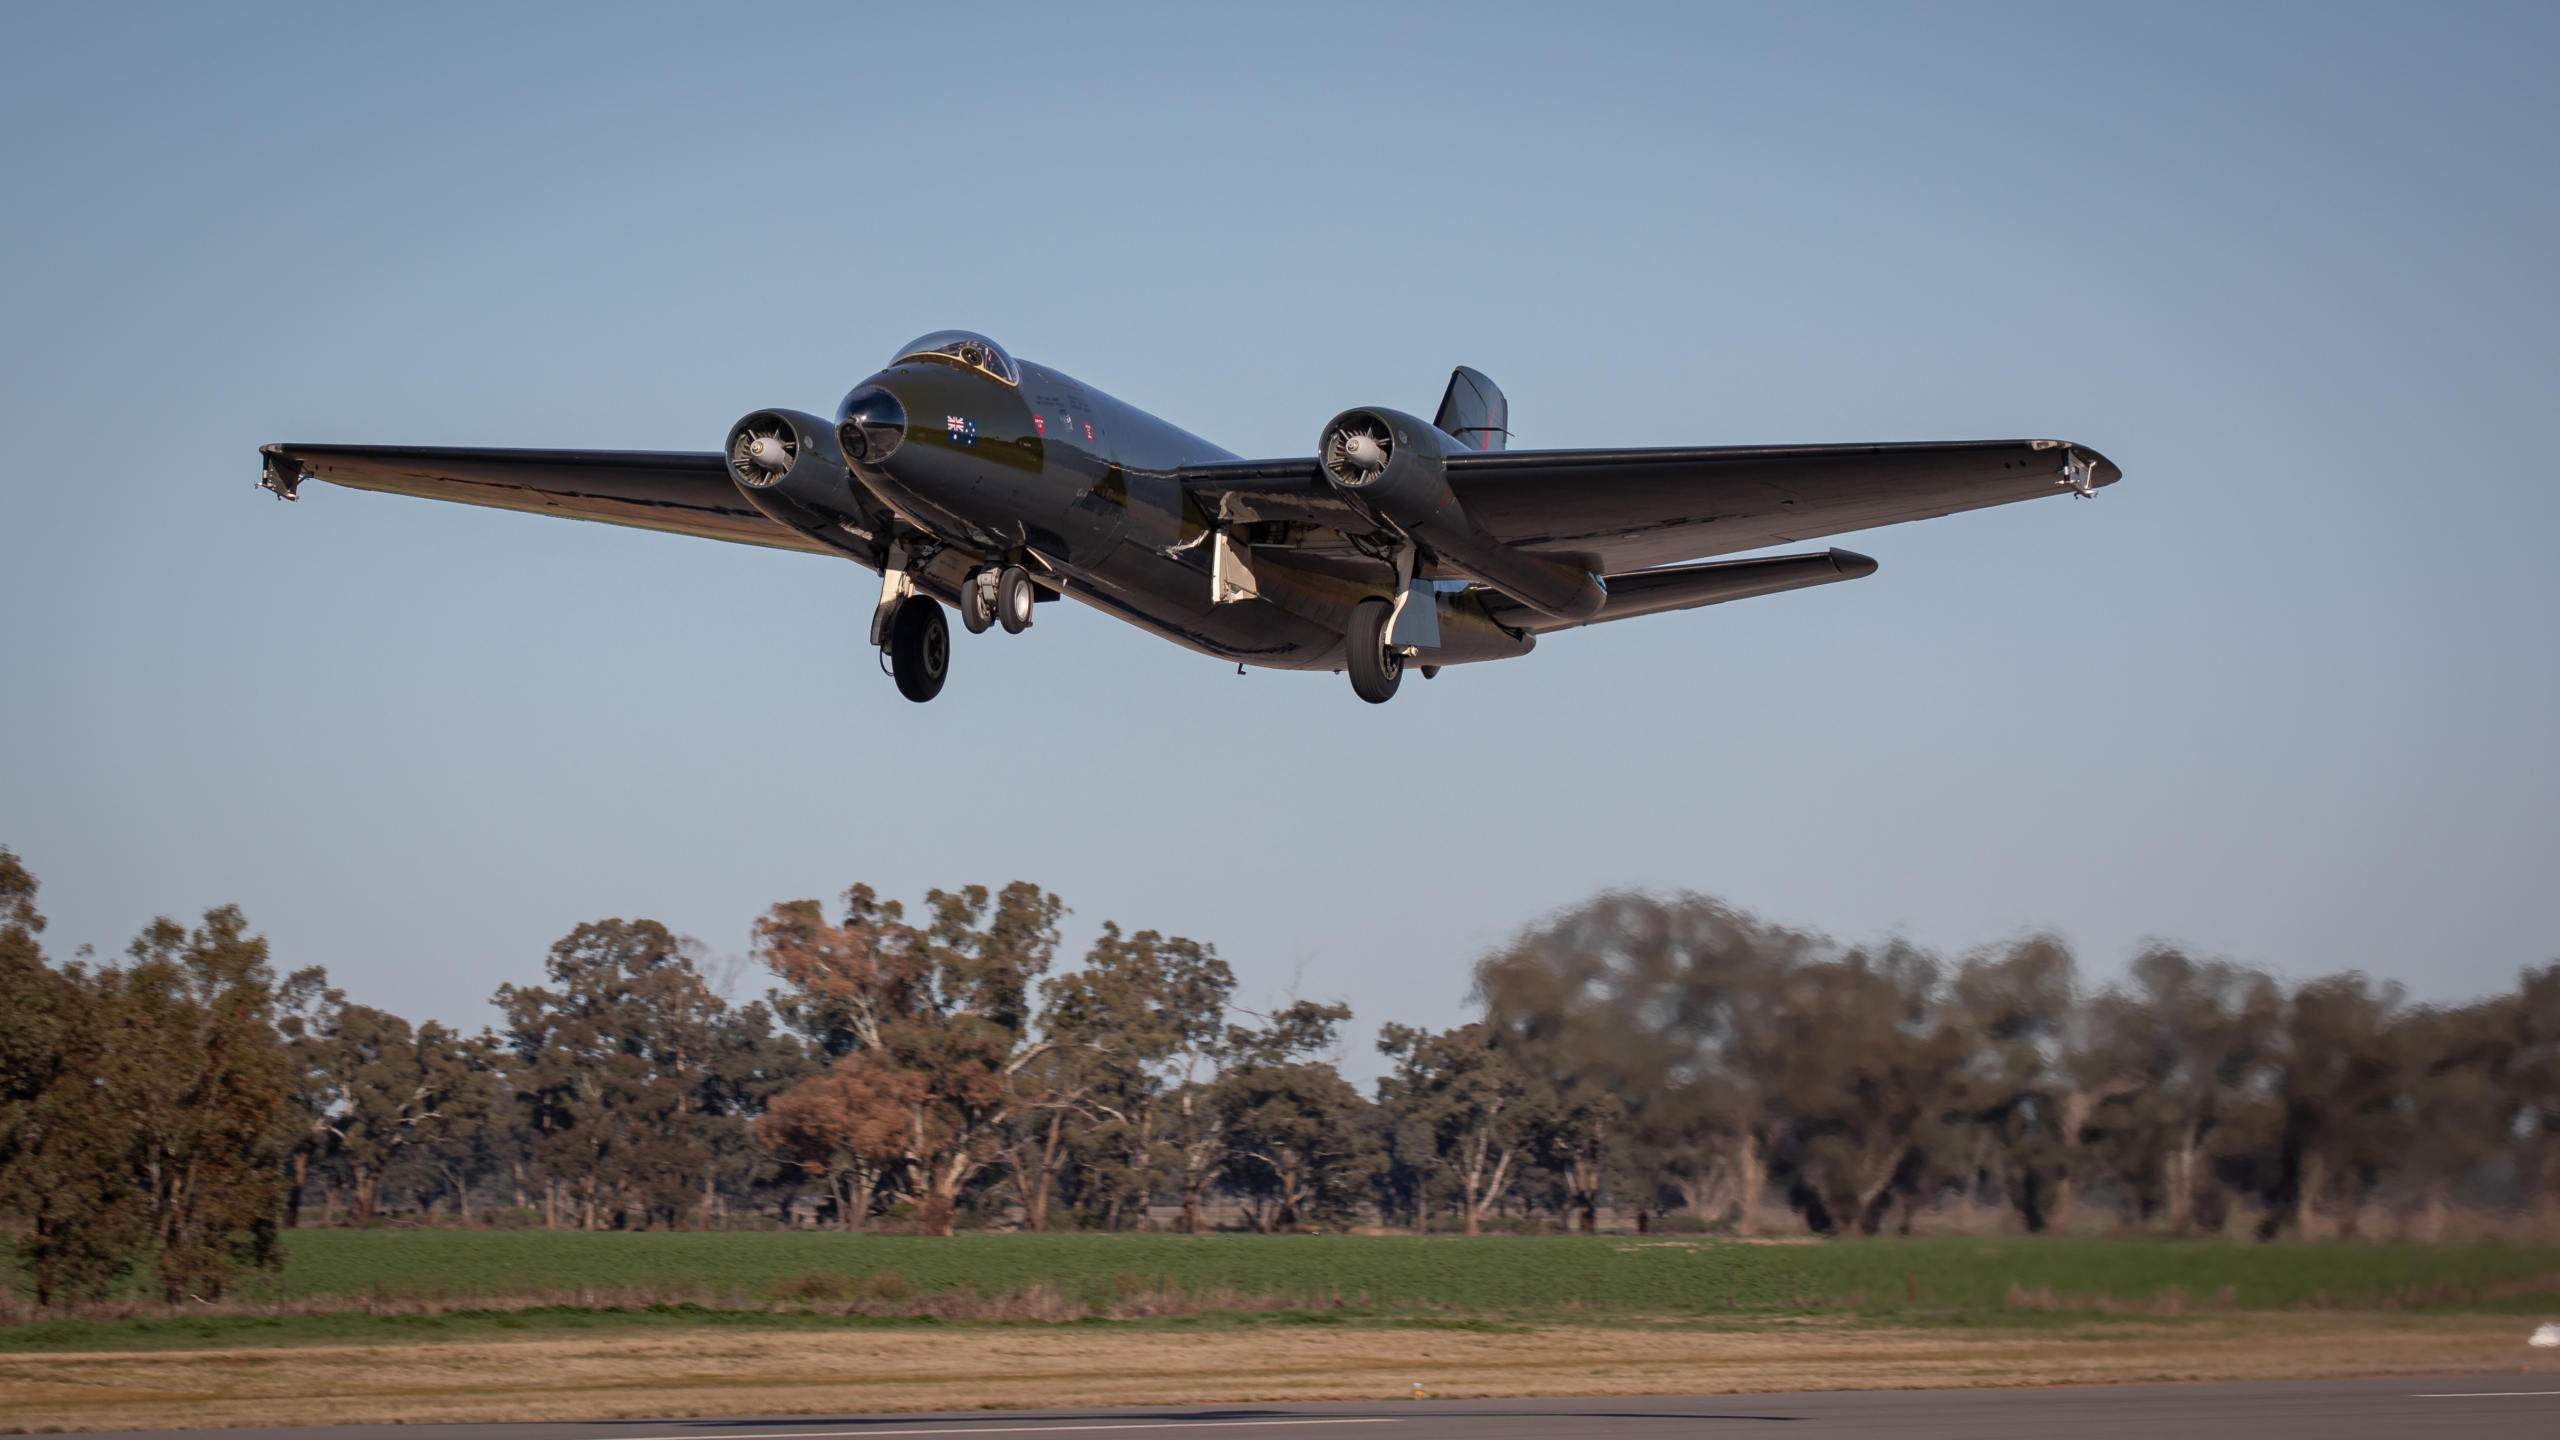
<point x="727" y="1373"/>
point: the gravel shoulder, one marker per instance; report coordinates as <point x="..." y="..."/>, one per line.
<point x="708" y="1372"/>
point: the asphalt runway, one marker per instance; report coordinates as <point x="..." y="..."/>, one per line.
<point x="2325" y="1409"/>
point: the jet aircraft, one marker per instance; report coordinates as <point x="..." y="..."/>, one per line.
<point x="966" y="478"/>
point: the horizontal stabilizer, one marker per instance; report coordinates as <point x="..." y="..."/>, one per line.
<point x="1685" y="587"/>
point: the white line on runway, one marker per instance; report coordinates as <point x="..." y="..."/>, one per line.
<point x="2482" y="1394"/>
<point x="1017" y="1428"/>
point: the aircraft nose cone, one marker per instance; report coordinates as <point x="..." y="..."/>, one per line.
<point x="870" y="424"/>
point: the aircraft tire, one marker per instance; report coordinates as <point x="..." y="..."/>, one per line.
<point x="1375" y="669"/>
<point x="1014" y="599"/>
<point x="977" y="606"/>
<point x="919" y="648"/>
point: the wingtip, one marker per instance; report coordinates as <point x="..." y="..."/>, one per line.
<point x="1852" y="565"/>
<point x="279" y="475"/>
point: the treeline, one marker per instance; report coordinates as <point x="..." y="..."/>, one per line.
<point x="1669" y="1061"/>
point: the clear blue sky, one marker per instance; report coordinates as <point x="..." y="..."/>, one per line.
<point x="2286" y="694"/>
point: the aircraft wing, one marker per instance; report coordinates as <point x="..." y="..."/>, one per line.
<point x="1614" y="511"/>
<point x="681" y="492"/>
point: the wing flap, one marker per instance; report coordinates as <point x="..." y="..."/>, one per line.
<point x="677" y="492"/>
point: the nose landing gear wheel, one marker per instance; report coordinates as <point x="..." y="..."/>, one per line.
<point x="1375" y="668"/>
<point x="919" y="648"/>
<point x="1014" y="599"/>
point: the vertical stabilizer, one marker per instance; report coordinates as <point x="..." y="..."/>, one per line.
<point x="1474" y="411"/>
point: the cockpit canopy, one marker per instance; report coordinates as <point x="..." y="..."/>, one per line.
<point x="966" y="349"/>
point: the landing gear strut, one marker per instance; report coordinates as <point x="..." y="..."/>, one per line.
<point x="919" y="647"/>
<point x="1376" y="667"/>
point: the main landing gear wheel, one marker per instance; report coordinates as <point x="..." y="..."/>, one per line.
<point x="978" y="601"/>
<point x="1376" y="669"/>
<point x="919" y="648"/>
<point x="1014" y="598"/>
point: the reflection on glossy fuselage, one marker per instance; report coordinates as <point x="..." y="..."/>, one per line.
<point x="1082" y="487"/>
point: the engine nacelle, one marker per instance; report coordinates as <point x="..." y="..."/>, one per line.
<point x="1391" y="463"/>
<point x="1397" y="468"/>
<point x="789" y="466"/>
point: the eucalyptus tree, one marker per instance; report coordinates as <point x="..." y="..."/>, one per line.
<point x="66" y="1145"/>
<point x="1875" y="1058"/>
<point x="204" y="1081"/>
<point x="609" y="1066"/>
<point x="1298" y="1140"/>
<point x="2039" y="1075"/>
<point x="1459" y="1105"/>
<point x="1129" y="1029"/>
<point x="2344" y="1068"/>
<point x="374" y="1090"/>
<point x="928" y="1026"/>
<point x="2199" y="1041"/>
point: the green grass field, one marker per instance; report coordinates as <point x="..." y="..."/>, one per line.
<point x="373" y="1281"/>
<point x="1491" y="1273"/>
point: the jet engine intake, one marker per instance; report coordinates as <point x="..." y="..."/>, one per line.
<point x="1396" y="467"/>
<point x="788" y="465"/>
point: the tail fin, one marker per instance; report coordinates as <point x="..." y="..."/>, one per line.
<point x="1474" y="411"/>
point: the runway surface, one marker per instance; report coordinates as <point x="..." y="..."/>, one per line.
<point x="2325" y="1409"/>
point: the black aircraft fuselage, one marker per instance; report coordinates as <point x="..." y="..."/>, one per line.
<point x="1085" y="487"/>
<point x="971" y="480"/>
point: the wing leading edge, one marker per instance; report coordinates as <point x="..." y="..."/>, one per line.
<point x="679" y="492"/>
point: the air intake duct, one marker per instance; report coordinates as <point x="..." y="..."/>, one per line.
<point x="787" y="465"/>
<point x="1396" y="468"/>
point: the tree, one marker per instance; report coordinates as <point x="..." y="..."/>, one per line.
<point x="2342" y="1086"/>
<point x="934" y="1016"/>
<point x="2463" y="1107"/>
<point x="846" y="1127"/>
<point x="1874" y="1058"/>
<point x="1557" y="1002"/>
<point x="749" y="1065"/>
<point x="65" y="1148"/>
<point x="1468" y="1108"/>
<point x="2196" y="1039"/>
<point x="1678" y="1010"/>
<point x="375" y="1091"/>
<point x="1294" y="1127"/>
<point x="611" y="1069"/>
<point x="2035" y="1079"/>
<point x="1130" y="1033"/>
<point x="205" y="1085"/>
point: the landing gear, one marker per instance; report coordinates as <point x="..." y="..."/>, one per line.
<point x="1376" y="667"/>
<point x="978" y="601"/>
<point x="919" y="647"/>
<point x="1013" y="599"/>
